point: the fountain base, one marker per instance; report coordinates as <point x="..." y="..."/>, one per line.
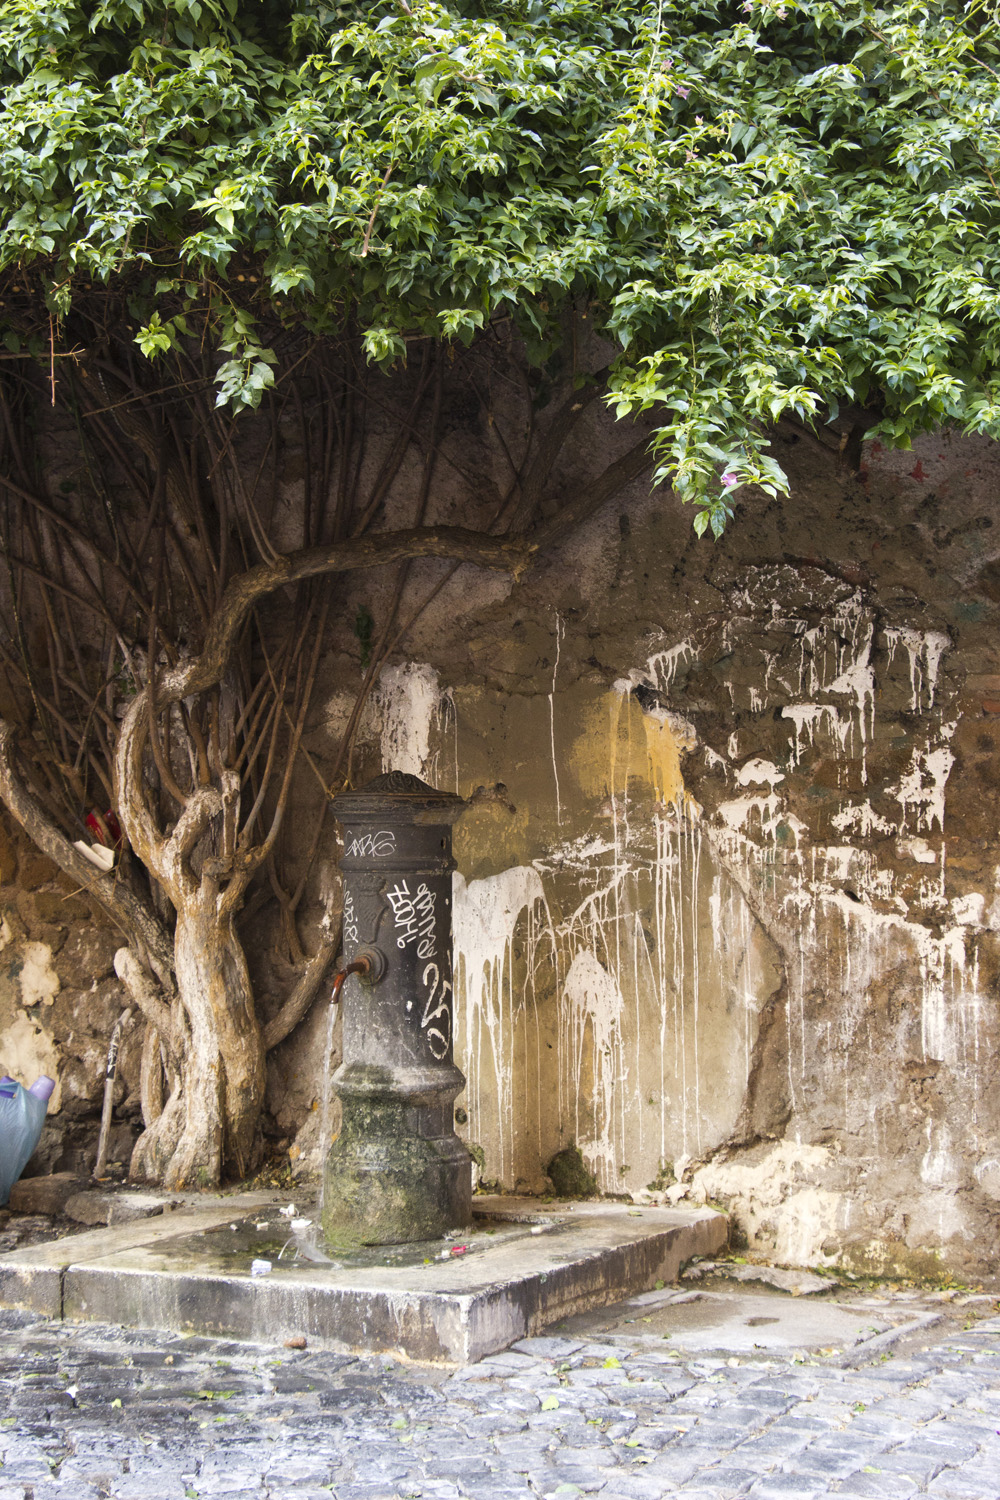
<point x="520" y="1266"/>
<point x="397" y="1172"/>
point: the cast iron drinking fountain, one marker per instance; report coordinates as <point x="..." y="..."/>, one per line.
<point x="397" y="1172"/>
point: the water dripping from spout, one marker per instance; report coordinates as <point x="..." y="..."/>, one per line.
<point x="304" y="1246"/>
<point x="326" y="1101"/>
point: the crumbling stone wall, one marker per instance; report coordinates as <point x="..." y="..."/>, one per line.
<point x="59" y="1000"/>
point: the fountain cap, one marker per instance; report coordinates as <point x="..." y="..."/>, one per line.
<point x="405" y="797"/>
<point x="405" y="784"/>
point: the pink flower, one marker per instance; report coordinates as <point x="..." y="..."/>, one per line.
<point x="730" y="481"/>
<point x="683" y="92"/>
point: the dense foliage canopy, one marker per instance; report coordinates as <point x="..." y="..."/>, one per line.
<point x="768" y="207"/>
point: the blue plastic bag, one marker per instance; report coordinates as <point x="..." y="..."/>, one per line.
<point x="22" y="1115"/>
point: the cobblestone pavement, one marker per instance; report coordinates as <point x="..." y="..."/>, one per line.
<point x="92" y="1411"/>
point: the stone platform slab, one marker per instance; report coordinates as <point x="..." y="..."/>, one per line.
<point x="522" y="1266"/>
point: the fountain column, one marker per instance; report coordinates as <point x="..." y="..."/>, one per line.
<point x="397" y="1172"/>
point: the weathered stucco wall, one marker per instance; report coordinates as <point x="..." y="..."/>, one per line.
<point x="738" y="937"/>
<point x="742" y="926"/>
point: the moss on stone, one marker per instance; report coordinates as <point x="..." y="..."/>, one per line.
<point x="385" y="1184"/>
<point x="569" y="1175"/>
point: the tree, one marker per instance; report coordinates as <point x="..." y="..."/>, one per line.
<point x="162" y="681"/>
<point x="719" y="215"/>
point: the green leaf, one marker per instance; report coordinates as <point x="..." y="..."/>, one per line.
<point x="764" y="213"/>
<point x="383" y="346"/>
<point x="154" y="338"/>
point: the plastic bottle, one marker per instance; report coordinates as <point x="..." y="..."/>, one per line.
<point x="22" y="1115"/>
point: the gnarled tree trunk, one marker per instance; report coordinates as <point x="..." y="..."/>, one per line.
<point x="185" y="703"/>
<point x="212" y="1128"/>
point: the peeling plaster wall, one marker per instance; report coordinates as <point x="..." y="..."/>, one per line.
<point x="615" y="976"/>
<point x="742" y="927"/>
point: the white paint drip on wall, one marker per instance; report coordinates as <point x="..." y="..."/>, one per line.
<point x="552" y="717"/>
<point x="417" y="724"/>
<point x="812" y="718"/>
<point x="832" y="712"/>
<point x="935" y="1169"/>
<point x="889" y="922"/>
<point x="970" y="910"/>
<point x="837" y="860"/>
<point x="748" y="815"/>
<point x="493" y="918"/>
<point x="924" y="648"/>
<point x="660" y="671"/>
<point x="641" y="925"/>
<point x="820" y="677"/>
<point x="759" y="772"/>
<point x="861" y="819"/>
<point x="853" y="634"/>
<point x="407" y="702"/>
<point x="921" y="789"/>
<point x="642" y="918"/>
<point x="591" y="1007"/>
<point x="574" y="854"/>
<point x="949" y="994"/>
<point x="663" y="666"/>
<point x="918" y="850"/>
<point x="445" y="737"/>
<point x="629" y="954"/>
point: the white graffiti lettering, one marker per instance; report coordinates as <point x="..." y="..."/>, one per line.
<point x="416" y="919"/>
<point x="350" y="919"/>
<point x="436" y="1022"/>
<point x="373" y="845"/>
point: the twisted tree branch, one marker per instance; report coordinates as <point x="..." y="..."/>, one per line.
<point x="505" y="554"/>
<point x="302" y="996"/>
<point x="129" y="914"/>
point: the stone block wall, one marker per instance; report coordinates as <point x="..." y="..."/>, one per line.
<point x="59" y="1000"/>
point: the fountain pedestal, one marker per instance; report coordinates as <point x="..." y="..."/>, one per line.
<point x="397" y="1172"/>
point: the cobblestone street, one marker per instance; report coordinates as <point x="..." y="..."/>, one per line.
<point x="92" y="1411"/>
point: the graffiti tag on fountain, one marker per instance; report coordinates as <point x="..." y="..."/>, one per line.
<point x="350" y="919"/>
<point x="373" y="845"/>
<point x="416" y="919"/>
<point x="435" y="1022"/>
